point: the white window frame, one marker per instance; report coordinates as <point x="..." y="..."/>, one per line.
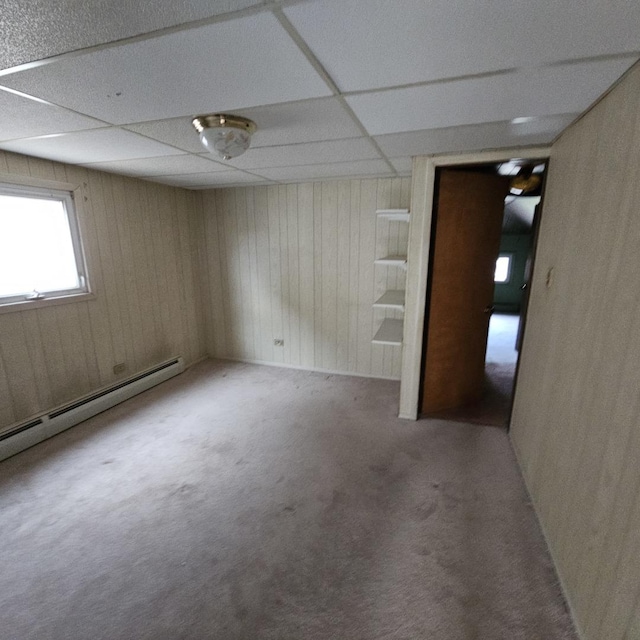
<point x="65" y="193"/>
<point x="509" y="267"/>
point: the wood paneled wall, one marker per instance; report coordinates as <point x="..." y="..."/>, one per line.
<point x="143" y="244"/>
<point x="295" y="262"/>
<point x="576" y="420"/>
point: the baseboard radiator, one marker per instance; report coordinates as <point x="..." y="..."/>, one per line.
<point x="22" y="436"/>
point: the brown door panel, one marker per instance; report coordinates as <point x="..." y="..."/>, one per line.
<point x="467" y="242"/>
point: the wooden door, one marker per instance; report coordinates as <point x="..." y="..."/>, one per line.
<point x="468" y="226"/>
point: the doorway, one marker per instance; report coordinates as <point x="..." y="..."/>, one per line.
<point x="481" y="253"/>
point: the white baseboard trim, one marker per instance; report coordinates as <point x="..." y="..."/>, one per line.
<point x="21" y="436"/>
<point x="284" y="365"/>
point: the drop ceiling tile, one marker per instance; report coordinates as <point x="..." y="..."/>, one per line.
<point x="535" y="92"/>
<point x="295" y="122"/>
<point x="22" y="118"/>
<point x="160" y="166"/>
<point x="228" y="65"/>
<point x="377" y="168"/>
<point x="492" y="135"/>
<point x="100" y="145"/>
<point x="390" y="43"/>
<point x="177" y="132"/>
<point x="402" y="165"/>
<point x="40" y="28"/>
<point x="212" y="180"/>
<point x="306" y="153"/>
<point x="281" y="124"/>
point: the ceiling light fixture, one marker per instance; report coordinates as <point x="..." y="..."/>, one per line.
<point x="229" y="136"/>
<point x="525" y="182"/>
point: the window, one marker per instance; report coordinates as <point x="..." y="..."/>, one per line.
<point x="503" y="268"/>
<point x="40" y="252"/>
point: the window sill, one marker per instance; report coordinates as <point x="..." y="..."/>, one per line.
<point x="26" y="305"/>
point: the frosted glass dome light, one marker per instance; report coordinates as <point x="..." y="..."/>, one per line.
<point x="227" y="135"/>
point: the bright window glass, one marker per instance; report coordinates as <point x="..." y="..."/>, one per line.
<point x="503" y="269"/>
<point x="40" y="253"/>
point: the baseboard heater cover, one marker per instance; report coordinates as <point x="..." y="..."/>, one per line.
<point x="35" y="430"/>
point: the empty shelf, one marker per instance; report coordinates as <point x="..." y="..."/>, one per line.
<point x="390" y="332"/>
<point x="391" y="299"/>
<point x="397" y="261"/>
<point x="396" y="215"/>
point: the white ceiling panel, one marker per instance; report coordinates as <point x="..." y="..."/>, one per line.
<point x="235" y="64"/>
<point x="308" y="121"/>
<point x="177" y="132"/>
<point x="492" y="135"/>
<point x="535" y="92"/>
<point x="160" y="166"/>
<point x="402" y="165"/>
<point x="306" y="153"/>
<point x="282" y="124"/>
<point x="40" y="28"/>
<point x="326" y="171"/>
<point x="24" y="118"/>
<point x="212" y="180"/>
<point x="100" y="145"/>
<point x="365" y="45"/>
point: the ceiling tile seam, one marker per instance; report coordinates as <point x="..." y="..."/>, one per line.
<point x="47" y="103"/>
<point x="369" y="136"/>
<point x="119" y="128"/>
<point x="253" y="108"/>
<point x="44" y="136"/>
<point x="474" y="124"/>
<point x="308" y="164"/>
<point x="542" y="152"/>
<point x="327" y="178"/>
<point x="604" y="57"/>
<point x="491" y="74"/>
<point x="101" y="165"/>
<point x="324" y="74"/>
<point x="300" y="144"/>
<point x="425" y="83"/>
<point x="150" y="35"/>
<point x="203" y="173"/>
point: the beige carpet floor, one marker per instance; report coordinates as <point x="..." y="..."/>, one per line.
<point x="245" y="502"/>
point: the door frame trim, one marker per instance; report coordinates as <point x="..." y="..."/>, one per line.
<point x="423" y="174"/>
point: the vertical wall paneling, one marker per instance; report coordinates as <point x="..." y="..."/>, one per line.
<point x="143" y="257"/>
<point x="577" y="409"/>
<point x="354" y="274"/>
<point x="366" y="285"/>
<point x="294" y="274"/>
<point x="343" y="274"/>
<point x="306" y="252"/>
<point x="297" y="261"/>
<point x="329" y="275"/>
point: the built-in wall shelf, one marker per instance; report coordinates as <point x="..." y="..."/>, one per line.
<point x="393" y="261"/>
<point x="393" y="299"/>
<point x="394" y="215"/>
<point x="390" y="332"/>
